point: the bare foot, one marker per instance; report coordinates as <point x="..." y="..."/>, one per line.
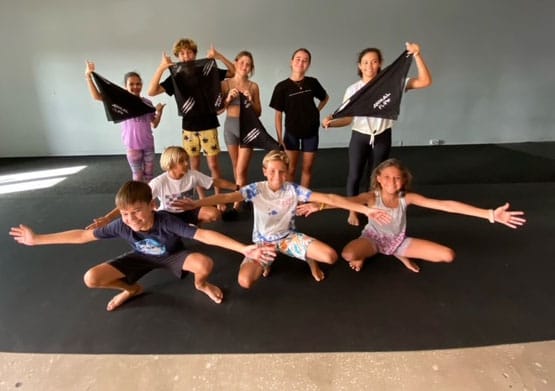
<point x="212" y="291"/>
<point x="317" y="273"/>
<point x="122" y="297"/>
<point x="353" y="219"/>
<point x="356" y="265"/>
<point x="409" y="264"/>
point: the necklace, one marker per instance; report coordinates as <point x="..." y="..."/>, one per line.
<point x="298" y="83"/>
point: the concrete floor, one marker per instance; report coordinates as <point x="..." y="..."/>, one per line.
<point x="529" y="366"/>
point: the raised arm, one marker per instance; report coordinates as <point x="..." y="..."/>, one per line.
<point x="25" y="235"/>
<point x="424" y="78"/>
<point x="154" y="88"/>
<point x="501" y="214"/>
<point x="90" y="67"/>
<point x="213" y="53"/>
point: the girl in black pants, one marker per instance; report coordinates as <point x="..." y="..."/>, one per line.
<point x="371" y="136"/>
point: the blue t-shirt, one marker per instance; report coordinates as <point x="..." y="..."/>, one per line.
<point x="163" y="239"/>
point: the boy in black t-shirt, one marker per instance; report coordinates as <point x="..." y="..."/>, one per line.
<point x="156" y="241"/>
<point x="199" y="132"/>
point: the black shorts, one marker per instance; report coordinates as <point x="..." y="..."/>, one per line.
<point x="188" y="216"/>
<point x="135" y="265"/>
<point x="305" y="144"/>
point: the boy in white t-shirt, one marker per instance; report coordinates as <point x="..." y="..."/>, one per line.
<point x="178" y="182"/>
<point x="274" y="204"/>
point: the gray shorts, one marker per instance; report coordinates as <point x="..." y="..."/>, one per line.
<point x="232" y="134"/>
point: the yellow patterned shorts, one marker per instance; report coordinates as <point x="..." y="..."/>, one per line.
<point x="203" y="141"/>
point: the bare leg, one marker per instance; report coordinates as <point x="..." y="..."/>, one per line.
<point x="428" y="251"/>
<point x="195" y="165"/>
<point x="308" y="162"/>
<point x="209" y="214"/>
<point x="233" y="151"/>
<point x="108" y="277"/>
<point x="409" y="264"/>
<point x="214" y="166"/>
<point x="319" y="252"/>
<point x="241" y="177"/>
<point x="317" y="273"/>
<point x="201" y="266"/>
<point x="293" y="159"/>
<point x="249" y="273"/>
<point x="357" y="251"/>
<point x="124" y="296"/>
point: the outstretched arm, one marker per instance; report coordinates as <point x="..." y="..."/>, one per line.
<point x="90" y="67"/>
<point x="25" y="235"/>
<point x="216" y="199"/>
<point x="225" y="184"/>
<point x="341" y="202"/>
<point x="501" y="214"/>
<point x="104" y="220"/>
<point x="424" y="78"/>
<point x="307" y="208"/>
<point x="263" y="253"/>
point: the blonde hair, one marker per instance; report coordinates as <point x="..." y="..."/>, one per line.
<point x="405" y="173"/>
<point x="171" y="156"/>
<point x="275" y="155"/>
<point x="133" y="192"/>
<point x="184" y="44"/>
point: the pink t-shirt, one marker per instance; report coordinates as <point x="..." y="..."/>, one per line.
<point x="136" y="133"/>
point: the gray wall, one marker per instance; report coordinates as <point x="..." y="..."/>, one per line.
<point x="492" y="63"/>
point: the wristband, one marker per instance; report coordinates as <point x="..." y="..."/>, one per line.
<point x="491" y="217"/>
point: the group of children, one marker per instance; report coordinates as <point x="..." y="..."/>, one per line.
<point x="154" y="217"/>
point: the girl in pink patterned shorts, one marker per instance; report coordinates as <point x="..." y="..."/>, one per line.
<point x="389" y="183"/>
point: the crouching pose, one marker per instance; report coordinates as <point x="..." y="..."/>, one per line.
<point x="389" y="187"/>
<point x="156" y="241"/>
<point x="274" y="203"/>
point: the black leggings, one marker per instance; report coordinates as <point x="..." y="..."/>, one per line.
<point x="362" y="154"/>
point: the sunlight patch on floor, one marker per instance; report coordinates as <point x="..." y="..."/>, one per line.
<point x="34" y="180"/>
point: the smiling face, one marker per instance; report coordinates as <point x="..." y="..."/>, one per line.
<point x="186" y="54"/>
<point x="369" y="65"/>
<point x="300" y="62"/>
<point x="391" y="180"/>
<point x="139" y="216"/>
<point x="275" y="172"/>
<point x="244" y="66"/>
<point x="134" y="84"/>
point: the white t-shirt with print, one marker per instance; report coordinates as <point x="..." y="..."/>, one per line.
<point x="167" y="189"/>
<point x="274" y="211"/>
